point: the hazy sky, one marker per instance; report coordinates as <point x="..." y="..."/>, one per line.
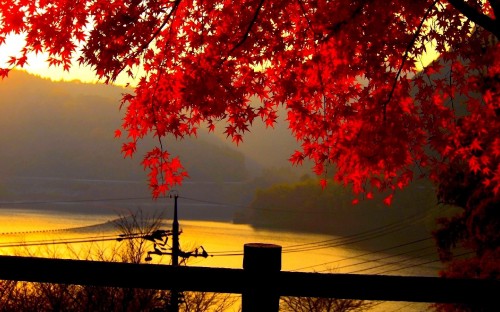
<point x="37" y="64"/>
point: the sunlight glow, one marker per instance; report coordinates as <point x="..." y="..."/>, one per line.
<point x="428" y="56"/>
<point x="37" y="64"/>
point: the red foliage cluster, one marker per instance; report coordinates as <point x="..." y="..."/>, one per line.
<point x="345" y="71"/>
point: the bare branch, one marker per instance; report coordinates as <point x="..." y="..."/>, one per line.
<point x="405" y="56"/>
<point x="164" y="23"/>
<point x="249" y="28"/>
<point x="337" y="26"/>
<point x="146" y="44"/>
<point x="486" y="22"/>
<point x="304" y="13"/>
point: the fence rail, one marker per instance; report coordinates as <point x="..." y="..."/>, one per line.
<point x="254" y="281"/>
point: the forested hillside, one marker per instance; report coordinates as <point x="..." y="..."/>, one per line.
<point x="303" y="206"/>
<point x="57" y="142"/>
<point x="65" y="129"/>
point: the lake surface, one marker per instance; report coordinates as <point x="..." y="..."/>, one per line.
<point x="70" y="235"/>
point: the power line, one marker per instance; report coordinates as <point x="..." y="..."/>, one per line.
<point x="349" y="240"/>
<point x="389" y="257"/>
<point x="117" y="237"/>
<point x="65" y="241"/>
<point x="422" y="263"/>
<point x="226" y="254"/>
<point x="368" y="253"/>
<point x="76" y="228"/>
<point x="213" y="202"/>
<point x="417" y="217"/>
<point x="249" y="207"/>
<point x="392" y="263"/>
<point x="72" y="201"/>
<point x="44" y="241"/>
<point x="329" y="244"/>
<point x="232" y="252"/>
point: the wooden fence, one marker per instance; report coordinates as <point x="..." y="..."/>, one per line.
<point x="261" y="281"/>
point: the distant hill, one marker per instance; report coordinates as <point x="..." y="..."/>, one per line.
<point x="267" y="147"/>
<point x="41" y="116"/>
<point x="65" y="129"/>
<point x="57" y="142"/>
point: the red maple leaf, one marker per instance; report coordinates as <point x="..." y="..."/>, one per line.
<point x="388" y="199"/>
<point x="344" y="72"/>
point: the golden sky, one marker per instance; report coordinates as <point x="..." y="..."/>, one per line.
<point x="37" y="64"/>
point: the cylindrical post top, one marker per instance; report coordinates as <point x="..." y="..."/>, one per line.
<point x="262" y="257"/>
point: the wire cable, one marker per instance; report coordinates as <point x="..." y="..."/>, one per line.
<point x="64" y="242"/>
<point x="85" y="239"/>
<point x="212" y="202"/>
<point x="368" y="253"/>
<point x="422" y="263"/>
<point x="365" y="235"/>
<point x="71" y="201"/>
<point x="76" y="228"/>
<point x="392" y="263"/>
<point x="347" y="241"/>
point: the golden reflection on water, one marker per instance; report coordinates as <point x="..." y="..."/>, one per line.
<point x="90" y="237"/>
<point x="31" y="233"/>
<point x="43" y="234"/>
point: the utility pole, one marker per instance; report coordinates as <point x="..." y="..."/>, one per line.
<point x="175" y="234"/>
<point x="174" y="295"/>
<point x="159" y="244"/>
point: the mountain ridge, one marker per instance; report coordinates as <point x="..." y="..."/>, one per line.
<point x="58" y="137"/>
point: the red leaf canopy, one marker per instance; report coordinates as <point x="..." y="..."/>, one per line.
<point x="346" y="73"/>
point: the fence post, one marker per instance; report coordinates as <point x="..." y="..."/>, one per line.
<point x="261" y="264"/>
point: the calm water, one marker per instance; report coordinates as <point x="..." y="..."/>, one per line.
<point x="74" y="235"/>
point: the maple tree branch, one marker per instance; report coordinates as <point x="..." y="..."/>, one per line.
<point x="337" y="26"/>
<point x="334" y="28"/>
<point x="304" y="13"/>
<point x="405" y="56"/>
<point x="450" y="82"/>
<point x="167" y="19"/>
<point x="249" y="28"/>
<point x="153" y="37"/>
<point x="486" y="22"/>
